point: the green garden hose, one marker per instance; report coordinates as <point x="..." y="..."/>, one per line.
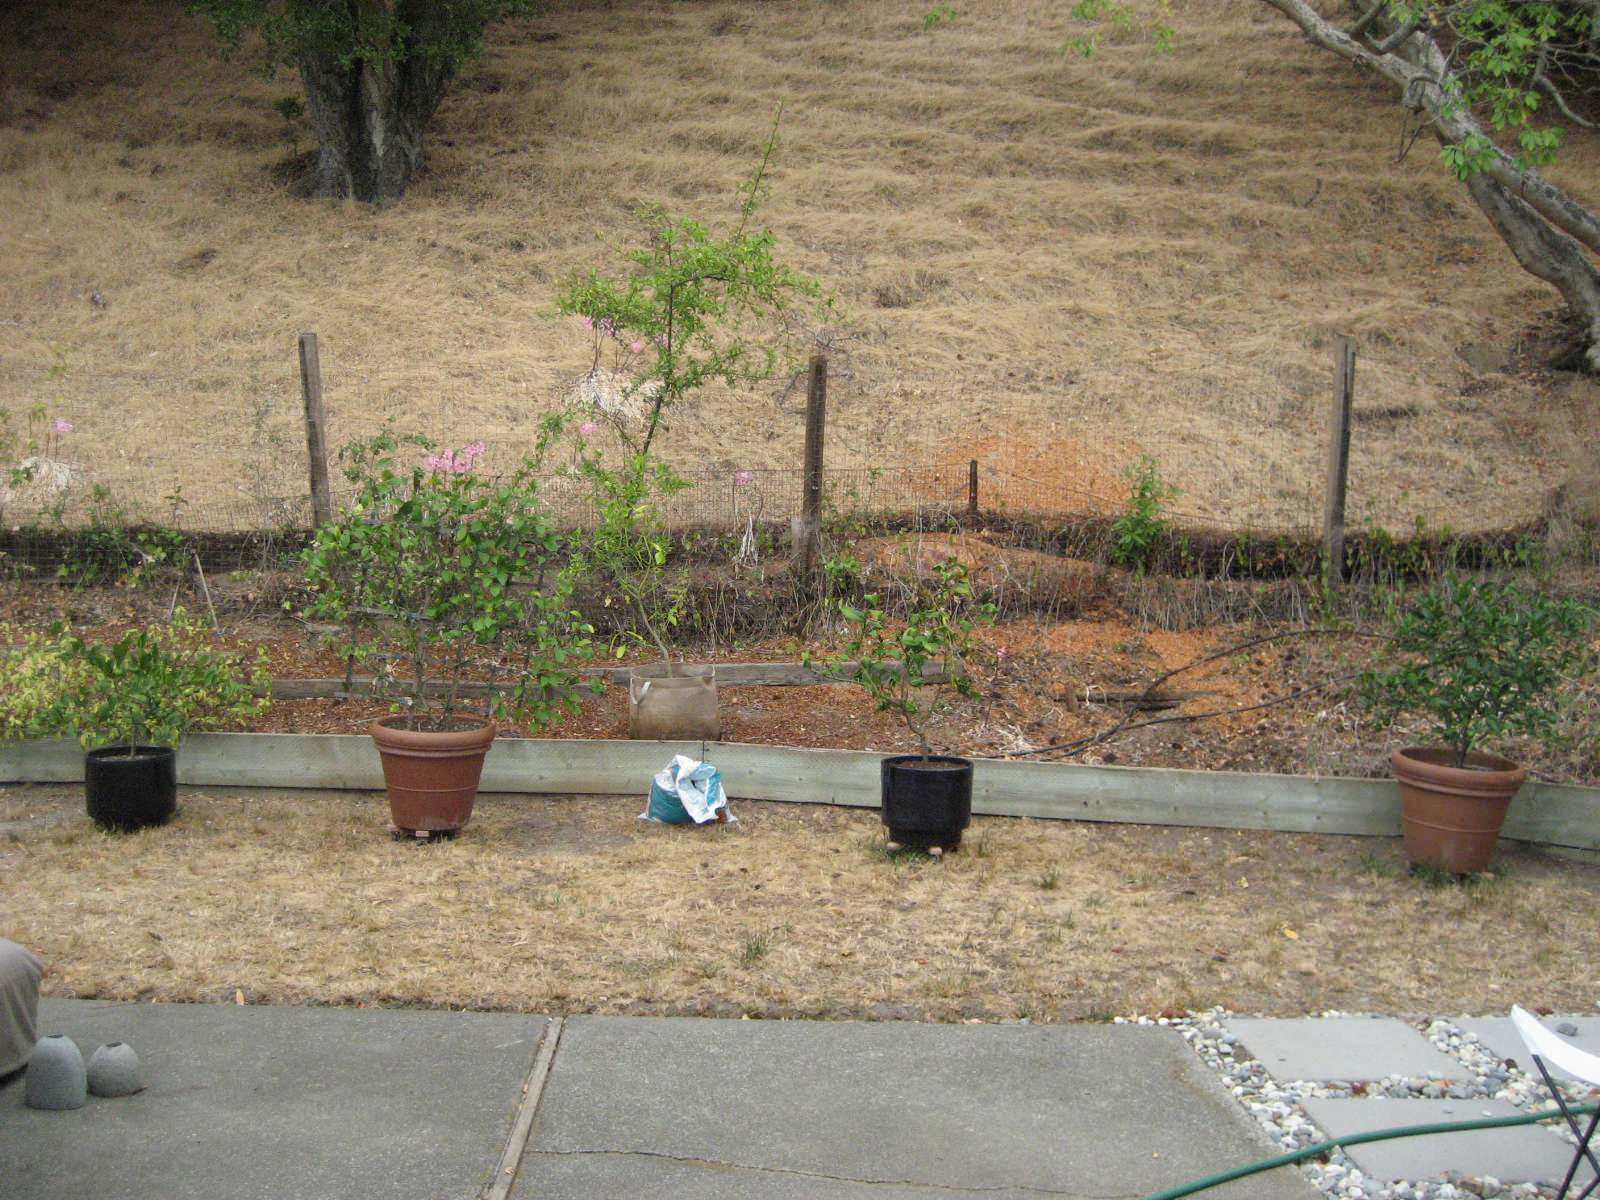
<point x="1355" y="1139"/>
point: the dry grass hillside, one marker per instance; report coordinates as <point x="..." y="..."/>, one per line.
<point x="1059" y="261"/>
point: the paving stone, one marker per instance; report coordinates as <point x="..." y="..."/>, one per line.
<point x="1518" y="1154"/>
<point x="1354" y="1049"/>
<point x="812" y="1110"/>
<point x="1499" y="1036"/>
<point x="247" y="1102"/>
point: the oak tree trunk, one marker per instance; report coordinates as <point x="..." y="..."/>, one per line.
<point x="369" y="116"/>
<point x="1546" y="252"/>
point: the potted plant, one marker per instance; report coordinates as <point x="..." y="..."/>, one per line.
<point x="437" y="574"/>
<point x="914" y="670"/>
<point x="694" y="307"/>
<point x="133" y="700"/>
<point x="1476" y="661"/>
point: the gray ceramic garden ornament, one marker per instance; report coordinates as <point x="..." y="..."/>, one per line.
<point x="114" y="1070"/>
<point x="57" y="1078"/>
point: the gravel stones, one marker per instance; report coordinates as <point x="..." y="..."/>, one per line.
<point x="1278" y="1105"/>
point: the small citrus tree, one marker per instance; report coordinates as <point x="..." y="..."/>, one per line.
<point x="1480" y="660"/>
<point x="891" y="663"/>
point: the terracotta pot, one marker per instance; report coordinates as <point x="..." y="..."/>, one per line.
<point x="432" y="778"/>
<point x="927" y="802"/>
<point x="1452" y="815"/>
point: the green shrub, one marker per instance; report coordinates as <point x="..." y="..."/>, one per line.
<point x="1143" y="524"/>
<point x="1479" y="660"/>
<point x="149" y="687"/>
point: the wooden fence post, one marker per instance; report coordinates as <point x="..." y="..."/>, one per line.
<point x="972" y="490"/>
<point x="1344" y="385"/>
<point x="810" y="531"/>
<point x="316" y="430"/>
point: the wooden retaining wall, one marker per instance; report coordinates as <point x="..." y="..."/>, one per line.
<point x="1550" y="815"/>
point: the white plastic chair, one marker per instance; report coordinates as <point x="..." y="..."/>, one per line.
<point x="1546" y="1047"/>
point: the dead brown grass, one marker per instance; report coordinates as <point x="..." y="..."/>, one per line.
<point x="573" y="905"/>
<point x="1133" y="252"/>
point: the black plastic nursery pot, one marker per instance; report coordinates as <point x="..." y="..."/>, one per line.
<point x="130" y="791"/>
<point x="927" y="802"/>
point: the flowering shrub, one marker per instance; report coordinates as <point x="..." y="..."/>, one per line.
<point x="435" y="569"/>
<point x="693" y="307"/>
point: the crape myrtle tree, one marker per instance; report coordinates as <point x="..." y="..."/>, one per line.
<point x="374" y="73"/>
<point x="1498" y="83"/>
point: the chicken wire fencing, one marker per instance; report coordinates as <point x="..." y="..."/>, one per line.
<point x="212" y="451"/>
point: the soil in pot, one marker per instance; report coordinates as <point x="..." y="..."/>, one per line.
<point x="431" y="776"/>
<point x="1452" y="815"/>
<point x="131" y="791"/>
<point x="927" y="802"/>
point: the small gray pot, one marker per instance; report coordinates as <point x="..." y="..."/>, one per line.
<point x="56" y="1075"/>
<point x="114" y="1070"/>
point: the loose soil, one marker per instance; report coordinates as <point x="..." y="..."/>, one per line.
<point x="574" y="905"/>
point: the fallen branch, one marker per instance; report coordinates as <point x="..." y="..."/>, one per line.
<point x="1127" y="722"/>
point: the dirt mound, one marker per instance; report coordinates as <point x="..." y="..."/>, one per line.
<point x="994" y="568"/>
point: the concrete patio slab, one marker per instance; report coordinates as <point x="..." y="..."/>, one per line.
<point x="1354" y="1049"/>
<point x="1519" y="1154"/>
<point x="1499" y="1036"/>
<point x="256" y="1103"/>
<point x="707" y="1109"/>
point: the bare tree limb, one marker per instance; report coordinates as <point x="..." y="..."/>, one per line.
<point x="1367" y="18"/>
<point x="1426" y="69"/>
<point x="1127" y="719"/>
<point x="1124" y="726"/>
<point x="1551" y="90"/>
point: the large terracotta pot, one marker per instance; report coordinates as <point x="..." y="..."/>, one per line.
<point x="1452" y="815"/>
<point x="432" y="778"/>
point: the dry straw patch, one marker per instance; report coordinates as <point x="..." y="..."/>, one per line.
<point x="573" y="905"/>
<point x="1137" y="251"/>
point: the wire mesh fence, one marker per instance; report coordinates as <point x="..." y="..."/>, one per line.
<point x="107" y="451"/>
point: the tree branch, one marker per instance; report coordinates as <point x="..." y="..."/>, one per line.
<point x="1366" y="19"/>
<point x="1422" y="73"/>
<point x="1127" y="719"/>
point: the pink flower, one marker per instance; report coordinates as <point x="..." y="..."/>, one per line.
<point x="61" y="425"/>
<point x="442" y="461"/>
<point x="588" y="322"/>
<point x="744" y="478"/>
<point x="587" y="428"/>
<point x="608" y="327"/>
<point x="635" y="346"/>
<point x="474" y="450"/>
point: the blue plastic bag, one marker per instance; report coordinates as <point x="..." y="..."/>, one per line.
<point x="686" y="791"/>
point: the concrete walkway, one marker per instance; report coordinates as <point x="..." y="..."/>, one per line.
<point x="308" y="1103"/>
<point x="290" y="1103"/>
